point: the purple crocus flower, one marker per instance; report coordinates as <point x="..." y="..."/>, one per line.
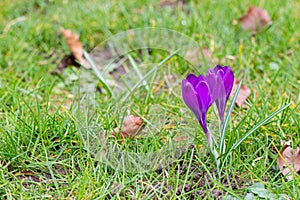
<point x="226" y="79"/>
<point x="196" y="95"/>
<point x="199" y="93"/>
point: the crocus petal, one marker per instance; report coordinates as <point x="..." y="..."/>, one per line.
<point x="197" y="98"/>
<point x="190" y="97"/>
<point x="221" y="105"/>
<point x="227" y="77"/>
<point x="203" y="92"/>
<point x="217" y="89"/>
<point x="204" y="100"/>
<point x="228" y="80"/>
<point x="198" y="79"/>
<point x="215" y="84"/>
<point x="191" y="78"/>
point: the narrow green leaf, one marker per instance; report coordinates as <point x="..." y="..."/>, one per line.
<point x="97" y="72"/>
<point x="258" y="125"/>
<point x="223" y="133"/>
<point x="151" y="71"/>
<point x="136" y="69"/>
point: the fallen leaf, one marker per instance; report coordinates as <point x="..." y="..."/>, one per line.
<point x="131" y="126"/>
<point x="255" y="20"/>
<point x="74" y="44"/>
<point x="291" y="157"/>
<point x="243" y="94"/>
<point x="76" y="48"/>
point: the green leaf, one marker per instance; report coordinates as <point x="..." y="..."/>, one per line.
<point x="258" y="125"/>
<point x="223" y="133"/>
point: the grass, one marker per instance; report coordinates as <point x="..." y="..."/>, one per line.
<point x="42" y="154"/>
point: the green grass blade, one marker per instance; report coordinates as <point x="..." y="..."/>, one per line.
<point x="136" y="69"/>
<point x="97" y="72"/>
<point x="223" y="133"/>
<point x="150" y="72"/>
<point x="257" y="126"/>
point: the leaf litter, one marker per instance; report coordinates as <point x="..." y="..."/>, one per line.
<point x="243" y="94"/>
<point x="289" y="159"/>
<point x="76" y="58"/>
<point x="256" y="20"/>
<point x="131" y="127"/>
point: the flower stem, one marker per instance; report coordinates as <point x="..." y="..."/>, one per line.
<point x="212" y="149"/>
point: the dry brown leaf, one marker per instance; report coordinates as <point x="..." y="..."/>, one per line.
<point x="291" y="157"/>
<point x="256" y="19"/>
<point x="131" y="126"/>
<point x="244" y="93"/>
<point x="75" y="45"/>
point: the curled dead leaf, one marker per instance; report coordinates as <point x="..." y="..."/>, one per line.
<point x="243" y="94"/>
<point x="289" y="156"/>
<point x="131" y="126"/>
<point x="73" y="42"/>
<point x="76" y="48"/>
<point x="256" y="19"/>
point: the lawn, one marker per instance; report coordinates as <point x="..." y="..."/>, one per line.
<point x="50" y="134"/>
